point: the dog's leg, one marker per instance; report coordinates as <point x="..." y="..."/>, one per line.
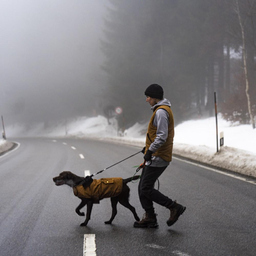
<point x="114" y="201"/>
<point x="88" y="213"/>
<point x="123" y="199"/>
<point x="80" y="206"/>
<point x="125" y="203"/>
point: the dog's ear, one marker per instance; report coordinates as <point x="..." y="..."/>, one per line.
<point x="87" y="181"/>
<point x="68" y="174"/>
<point x="65" y="173"/>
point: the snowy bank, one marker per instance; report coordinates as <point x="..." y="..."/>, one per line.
<point x="5" y="146"/>
<point x="227" y="158"/>
<point x="195" y="139"/>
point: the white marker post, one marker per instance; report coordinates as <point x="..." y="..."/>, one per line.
<point x="119" y="111"/>
<point x="221" y="139"/>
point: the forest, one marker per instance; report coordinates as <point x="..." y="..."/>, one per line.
<point x="192" y="48"/>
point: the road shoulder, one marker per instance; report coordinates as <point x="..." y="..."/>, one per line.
<point x="7" y="146"/>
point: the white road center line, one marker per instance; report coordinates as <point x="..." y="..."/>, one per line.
<point x="87" y="173"/>
<point x="155" y="246"/>
<point x="64" y="143"/>
<point x="81" y="156"/>
<point x="180" y="253"/>
<point x="89" y="248"/>
<point x="73" y="148"/>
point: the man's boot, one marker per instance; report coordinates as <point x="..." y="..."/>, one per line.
<point x="175" y="211"/>
<point x="148" y="221"/>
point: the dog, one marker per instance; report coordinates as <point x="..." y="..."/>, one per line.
<point x="91" y="191"/>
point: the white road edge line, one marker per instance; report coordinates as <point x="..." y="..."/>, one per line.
<point x="217" y="171"/>
<point x="10" y="151"/>
<point x="81" y="156"/>
<point x="89" y="248"/>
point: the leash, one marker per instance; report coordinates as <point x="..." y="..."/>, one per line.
<point x="141" y="166"/>
<point x="116" y="163"/>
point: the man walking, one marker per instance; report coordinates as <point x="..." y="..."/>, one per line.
<point x="157" y="156"/>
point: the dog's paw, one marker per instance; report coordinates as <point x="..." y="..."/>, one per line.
<point x="84" y="224"/>
<point x="108" y="222"/>
<point x="80" y="213"/>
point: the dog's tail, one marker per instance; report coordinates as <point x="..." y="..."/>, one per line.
<point x="131" y="179"/>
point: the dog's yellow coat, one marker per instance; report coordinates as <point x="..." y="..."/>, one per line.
<point x="99" y="189"/>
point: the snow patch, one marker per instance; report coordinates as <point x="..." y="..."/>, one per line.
<point x="194" y="139"/>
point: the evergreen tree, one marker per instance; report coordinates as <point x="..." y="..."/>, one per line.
<point x="182" y="45"/>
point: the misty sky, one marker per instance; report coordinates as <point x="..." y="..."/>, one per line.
<point x="49" y="52"/>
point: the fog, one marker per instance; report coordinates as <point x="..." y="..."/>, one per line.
<point x="63" y="59"/>
<point x="50" y="59"/>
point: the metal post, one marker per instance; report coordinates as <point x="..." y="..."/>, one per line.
<point x="216" y="118"/>
<point x="4" y="135"/>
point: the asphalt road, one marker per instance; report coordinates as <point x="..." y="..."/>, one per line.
<point x="38" y="218"/>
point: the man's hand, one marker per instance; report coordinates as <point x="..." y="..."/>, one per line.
<point x="148" y="155"/>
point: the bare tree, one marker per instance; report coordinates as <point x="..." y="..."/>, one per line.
<point x="245" y="65"/>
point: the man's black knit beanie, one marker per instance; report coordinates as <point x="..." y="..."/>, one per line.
<point x="155" y="91"/>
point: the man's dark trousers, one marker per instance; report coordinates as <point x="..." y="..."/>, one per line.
<point x="147" y="193"/>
